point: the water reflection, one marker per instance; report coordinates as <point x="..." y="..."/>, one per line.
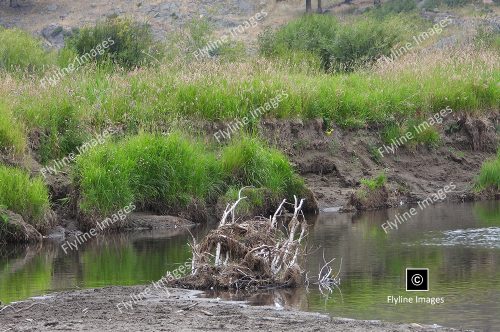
<point x="113" y="259"/>
<point x="466" y="272"/>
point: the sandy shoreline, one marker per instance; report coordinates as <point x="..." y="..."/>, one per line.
<point x="95" y="310"/>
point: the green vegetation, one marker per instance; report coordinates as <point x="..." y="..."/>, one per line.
<point x="120" y="40"/>
<point x="12" y="136"/>
<point x="24" y="196"/>
<point x="247" y="162"/>
<point x="340" y="47"/>
<point x="166" y="173"/>
<point x="153" y="171"/>
<point x="395" y="7"/>
<point x="375" y="183"/>
<point x="489" y="176"/>
<point x="423" y="135"/>
<point x="19" y="51"/>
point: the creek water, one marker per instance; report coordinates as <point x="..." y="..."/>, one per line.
<point x="458" y="243"/>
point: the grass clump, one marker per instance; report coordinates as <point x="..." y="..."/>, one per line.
<point x="248" y="162"/>
<point x="489" y="176"/>
<point x="23" y="195"/>
<point x="12" y="137"/>
<point x="157" y="173"/>
<point x="120" y="40"/>
<point x="375" y="183"/>
<point x="19" y="51"/>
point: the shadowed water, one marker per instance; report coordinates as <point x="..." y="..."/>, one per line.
<point x="459" y="243"/>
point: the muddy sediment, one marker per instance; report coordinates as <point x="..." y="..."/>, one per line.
<point x="182" y="310"/>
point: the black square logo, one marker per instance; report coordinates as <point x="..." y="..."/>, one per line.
<point x="417" y="279"/>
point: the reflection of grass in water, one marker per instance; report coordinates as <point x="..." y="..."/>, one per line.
<point x="32" y="279"/>
<point x="487" y="213"/>
<point x="134" y="262"/>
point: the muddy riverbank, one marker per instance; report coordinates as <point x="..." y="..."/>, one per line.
<point x="95" y="310"/>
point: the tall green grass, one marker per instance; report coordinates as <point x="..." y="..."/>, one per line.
<point x="248" y="162"/>
<point x="19" y="51"/>
<point x="23" y="195"/>
<point x="489" y="176"/>
<point x="167" y="173"/>
<point x="155" y="172"/>
<point x="12" y="136"/>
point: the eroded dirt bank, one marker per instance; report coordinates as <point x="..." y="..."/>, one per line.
<point x="95" y="310"/>
<point x="334" y="160"/>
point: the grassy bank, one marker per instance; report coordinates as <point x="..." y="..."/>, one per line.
<point x="319" y="66"/>
<point x="168" y="174"/>
<point x="151" y="99"/>
<point x="23" y="195"/>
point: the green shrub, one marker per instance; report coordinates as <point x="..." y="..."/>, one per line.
<point x="456" y="3"/>
<point x="248" y="162"/>
<point x="21" y="51"/>
<point x="200" y="32"/>
<point x="12" y="137"/>
<point x="432" y="4"/>
<point x="24" y="196"/>
<point x="489" y="176"/>
<point x="395" y="7"/>
<point x="358" y="44"/>
<point x="340" y="47"/>
<point x="155" y="172"/>
<point x="120" y="40"/>
<point x="311" y="33"/>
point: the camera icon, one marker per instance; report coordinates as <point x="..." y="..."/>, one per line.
<point x="417" y="279"/>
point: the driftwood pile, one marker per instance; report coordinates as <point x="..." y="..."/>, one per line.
<point x="254" y="254"/>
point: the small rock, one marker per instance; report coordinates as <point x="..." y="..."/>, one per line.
<point x="52" y="7"/>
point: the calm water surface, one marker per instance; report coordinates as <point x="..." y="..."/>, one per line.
<point x="459" y="243"/>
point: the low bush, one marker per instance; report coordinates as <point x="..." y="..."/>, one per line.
<point x="119" y="40"/>
<point x="340" y="47"/>
<point x="395" y="7"/>
<point x="23" y="195"/>
<point x="19" y="51"/>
